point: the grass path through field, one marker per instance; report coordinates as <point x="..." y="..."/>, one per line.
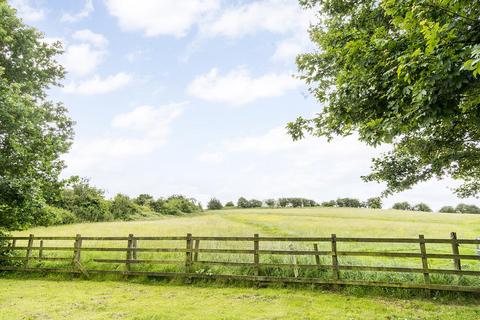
<point x="91" y="300"/>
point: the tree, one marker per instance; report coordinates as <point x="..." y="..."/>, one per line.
<point x="143" y="199"/>
<point x="86" y="202"/>
<point x="229" y="204"/>
<point x="34" y="132"/>
<point x="282" y="202"/>
<point x="374" y="203"/>
<point x="243" y="203"/>
<point x="214" y="204"/>
<point x="254" y="203"/>
<point x="349" y="202"/>
<point x="123" y="207"/>
<point x="447" y="209"/>
<point x="404" y="73"/>
<point x="422" y="207"/>
<point x="270" y="203"/>
<point x="331" y="203"/>
<point x="402" y="206"/>
<point x="467" y="208"/>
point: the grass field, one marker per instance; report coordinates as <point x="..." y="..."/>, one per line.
<point x="150" y="300"/>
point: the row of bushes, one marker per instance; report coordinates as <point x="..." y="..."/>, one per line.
<point x="373" y="203"/>
<point x="407" y="206"/>
<point x="80" y="202"/>
<point x="461" y="208"/>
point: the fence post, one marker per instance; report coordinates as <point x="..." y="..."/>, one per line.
<point x="134" y="253"/>
<point x="188" y="254"/>
<point x="14" y="243"/>
<point x="317" y="257"/>
<point x="29" y="250"/>
<point x="423" y="251"/>
<point x="40" y="251"/>
<point x="129" y="251"/>
<point x="256" y="256"/>
<point x="456" y="261"/>
<point x="334" y="258"/>
<point x="197" y="246"/>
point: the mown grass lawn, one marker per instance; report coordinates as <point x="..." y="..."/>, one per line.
<point x="88" y="300"/>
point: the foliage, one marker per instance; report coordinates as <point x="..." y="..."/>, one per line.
<point x="229" y="204"/>
<point x="374" y="203"/>
<point x="402" y="206"/>
<point x="123" y="208"/>
<point x="331" y="203"/>
<point x="175" y="205"/>
<point x="34" y="131"/>
<point x="254" y="203"/>
<point x="349" y="202"/>
<point x="243" y="203"/>
<point x="422" y="207"/>
<point x="403" y="72"/>
<point x="447" y="209"/>
<point x="283" y="202"/>
<point x="53" y="216"/>
<point x="467" y="208"/>
<point x="214" y="204"/>
<point x="270" y="203"/>
<point x="85" y="201"/>
<point x="143" y="199"/>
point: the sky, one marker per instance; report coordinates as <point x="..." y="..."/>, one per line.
<point x="192" y="97"/>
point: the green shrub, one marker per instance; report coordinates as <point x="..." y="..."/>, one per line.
<point x="467" y="208"/>
<point x="254" y="203"/>
<point x="422" y="207"/>
<point x="402" y="206"/>
<point x="85" y="201"/>
<point x="374" y="203"/>
<point x="447" y="209"/>
<point x="270" y="203"/>
<point x="331" y="203"/>
<point x="243" y="203"/>
<point x="229" y="204"/>
<point x="123" y="208"/>
<point x="282" y="202"/>
<point x="214" y="204"/>
<point x="349" y="203"/>
<point x="175" y="205"/>
<point x="143" y="199"/>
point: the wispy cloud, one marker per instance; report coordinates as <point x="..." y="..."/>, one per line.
<point x="82" y="14"/>
<point x="238" y="87"/>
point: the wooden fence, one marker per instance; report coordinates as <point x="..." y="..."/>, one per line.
<point x="27" y="250"/>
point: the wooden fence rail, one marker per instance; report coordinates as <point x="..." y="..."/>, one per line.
<point x="37" y="249"/>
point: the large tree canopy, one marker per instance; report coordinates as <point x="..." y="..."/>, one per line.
<point x="404" y="72"/>
<point x="34" y="132"/>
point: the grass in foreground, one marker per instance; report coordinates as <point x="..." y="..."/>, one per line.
<point x="89" y="300"/>
<point x="285" y="222"/>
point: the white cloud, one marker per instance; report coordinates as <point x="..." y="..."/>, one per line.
<point x="138" y="132"/>
<point x="97" y="85"/>
<point x="239" y="87"/>
<point x="88" y="36"/>
<point x="211" y="157"/>
<point x="288" y="49"/>
<point x="26" y="11"/>
<point x="82" y="59"/>
<point x="84" y="13"/>
<point x="165" y="17"/>
<point x="277" y="16"/>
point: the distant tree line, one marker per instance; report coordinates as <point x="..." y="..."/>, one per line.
<point x="78" y="201"/>
<point x="295" y="202"/>
<point x="461" y="208"/>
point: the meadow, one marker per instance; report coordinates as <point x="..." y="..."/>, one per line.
<point x="102" y="298"/>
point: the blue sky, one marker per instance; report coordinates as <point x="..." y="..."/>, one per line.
<point x="193" y="96"/>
